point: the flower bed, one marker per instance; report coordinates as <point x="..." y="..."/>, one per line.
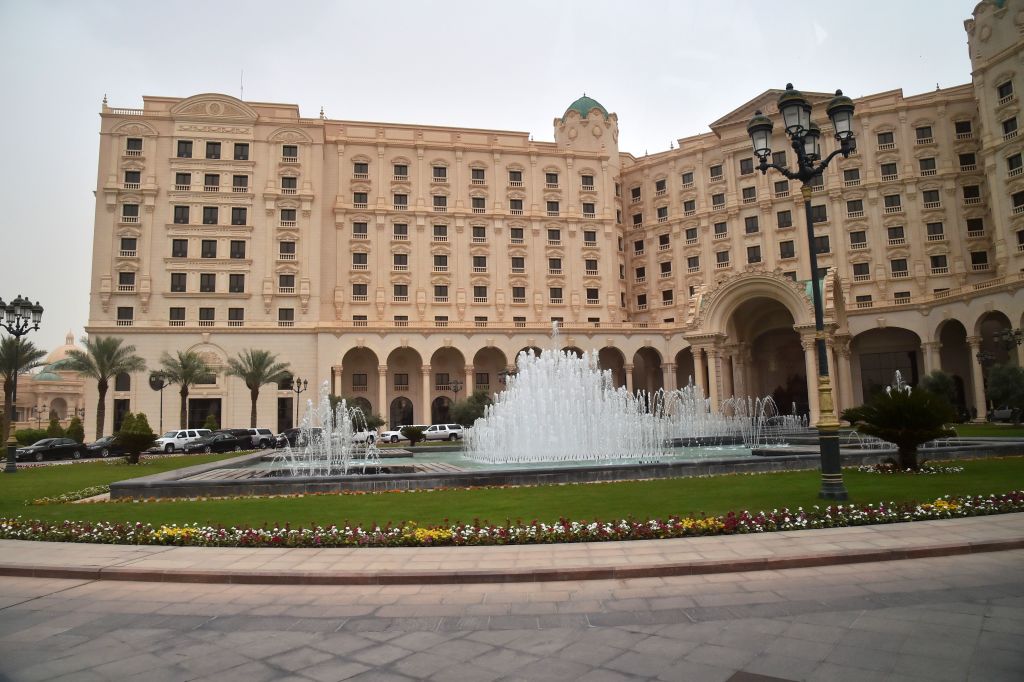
<point x="73" y="496"/>
<point x="927" y="469"/>
<point x="477" y="533"/>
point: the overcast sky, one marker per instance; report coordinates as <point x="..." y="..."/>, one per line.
<point x="667" y="68"/>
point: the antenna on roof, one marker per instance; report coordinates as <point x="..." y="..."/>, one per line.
<point x="671" y="144"/>
<point x="322" y="112"/>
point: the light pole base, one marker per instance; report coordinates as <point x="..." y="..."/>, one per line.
<point x="11" y="467"/>
<point x="832" y="486"/>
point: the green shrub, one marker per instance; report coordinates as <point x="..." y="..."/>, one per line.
<point x="467" y="411"/>
<point x="135" y="436"/>
<point x="941" y="384"/>
<point x="29" y="436"/>
<point x="54" y="430"/>
<point x="75" y="430"/>
<point x="905" y="418"/>
<point x="413" y="433"/>
<point x="1006" y="388"/>
<point x="211" y="422"/>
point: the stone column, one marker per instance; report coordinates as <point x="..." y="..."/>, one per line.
<point x="668" y="376"/>
<point x="739" y="366"/>
<point x="336" y="380"/>
<point x="830" y="357"/>
<point x="929" y="355"/>
<point x="470" y="379"/>
<point x="977" y="379"/>
<point x="1020" y="355"/>
<point x="382" y="392"/>
<point x="628" y="369"/>
<point x="426" y="391"/>
<point x="811" y="368"/>
<point x="698" y="370"/>
<point x="714" y="385"/>
<point x="843" y="362"/>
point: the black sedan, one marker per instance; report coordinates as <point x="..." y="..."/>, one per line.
<point x="220" y="441"/>
<point x="293" y="437"/>
<point x="105" y="447"/>
<point x="52" y="448"/>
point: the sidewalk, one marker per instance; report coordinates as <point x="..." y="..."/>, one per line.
<point x="517" y="563"/>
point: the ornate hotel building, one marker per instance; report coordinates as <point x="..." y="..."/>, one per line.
<point x="401" y="261"/>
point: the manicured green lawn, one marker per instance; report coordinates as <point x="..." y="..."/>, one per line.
<point x="990" y="430"/>
<point x="546" y="503"/>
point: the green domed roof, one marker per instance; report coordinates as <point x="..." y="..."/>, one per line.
<point x="583" y="105"/>
<point x="48" y="374"/>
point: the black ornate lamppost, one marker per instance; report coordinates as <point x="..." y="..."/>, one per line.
<point x="298" y="387"/>
<point x="18" y="317"/>
<point x="158" y="382"/>
<point x="1010" y="338"/>
<point x="455" y="386"/>
<point x="804" y="136"/>
<point x="985" y="358"/>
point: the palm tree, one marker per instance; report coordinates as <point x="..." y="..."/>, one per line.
<point x="187" y="369"/>
<point x="255" y="368"/>
<point x="15" y="353"/>
<point x="104" y="357"/>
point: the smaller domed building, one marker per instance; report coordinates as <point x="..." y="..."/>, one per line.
<point x="51" y="390"/>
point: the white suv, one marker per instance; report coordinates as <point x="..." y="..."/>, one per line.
<point x="444" y="432"/>
<point x="262" y="438"/>
<point x="177" y="440"/>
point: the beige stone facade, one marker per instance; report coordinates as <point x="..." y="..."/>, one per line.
<point x="395" y="260"/>
<point x="52" y="390"/>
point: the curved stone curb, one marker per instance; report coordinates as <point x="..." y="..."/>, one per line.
<point x="506" y="575"/>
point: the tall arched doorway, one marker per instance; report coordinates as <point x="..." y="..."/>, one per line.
<point x="440" y="410"/>
<point x="765" y="358"/>
<point x="401" y="413"/>
<point x="880" y="353"/>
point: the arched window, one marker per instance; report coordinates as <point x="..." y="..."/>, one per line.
<point x="123" y="382"/>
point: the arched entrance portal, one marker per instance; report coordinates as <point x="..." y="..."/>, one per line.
<point x="401" y="413"/>
<point x="880" y="353"/>
<point x="765" y="357"/>
<point x="439" y="410"/>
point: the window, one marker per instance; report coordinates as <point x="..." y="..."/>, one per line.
<point x="746" y="166"/>
<point x="590" y="265"/>
<point x="440" y="262"/>
<point x="210" y="215"/>
<point x="208" y="248"/>
<point x="236" y="283"/>
<point x="979" y="258"/>
<point x="858" y="239"/>
<point x="931" y="198"/>
<point x="779" y="158"/>
<point x="133" y="144"/>
<point x="818" y="181"/>
<point x="125" y="316"/>
<point x="555" y="266"/>
<point x="691" y="235"/>
<point x="176" y="314"/>
<point x="286" y="282"/>
<point x="241" y="151"/>
<point x="289" y="184"/>
<point x="126" y="279"/>
<point x="290" y="152"/>
<point x="479" y="263"/>
<point x="129" y="244"/>
<point x="401" y="201"/>
<point x="753" y="254"/>
<point x="975" y="225"/>
<point x="286" y="250"/>
<point x="184" y="149"/>
<point x="207" y="282"/>
<point x="660" y="187"/>
<point x="972" y="194"/>
<point x="821" y="244"/>
<point x="399" y="261"/>
<point x="359" y="291"/>
<point x="721" y="229"/>
<point x="722" y="257"/>
<point x="516" y="235"/>
<point x="515" y="178"/>
<point x="939" y="263"/>
<point x="551" y="180"/>
<point x="479" y="204"/>
<point x="689" y="207"/>
<point x="440" y="202"/>
<point x="693" y="263"/>
<point x="554" y="235"/>
<point x="665" y="267"/>
<point x="927" y="166"/>
<point x="400" y="231"/>
<point x="782" y="188"/>
<point x="662" y="214"/>
<point x="1018" y="202"/>
<point x="787" y="249"/>
<point x="851" y="176"/>
<point x="286" y="315"/>
<point x="400" y="170"/>
<point x="634" y="194"/>
<point x="479" y="294"/>
<point x="638" y="219"/>
<point x="638" y="247"/>
<point x="664" y="241"/>
<point x="892" y="202"/>
<point x="237" y="250"/>
<point x="855" y="208"/>
<point x="360" y="169"/>
<point x="555" y="294"/>
<point x="1010" y="127"/>
<point x="130" y="213"/>
<point x="785" y="219"/>
<point x="179" y="248"/>
<point x="750" y="225"/>
<point x="861" y="271"/>
<point x="718" y="200"/>
<point x="587" y="182"/>
<point x="516" y="206"/>
<point x="666" y="297"/>
<point x="358" y="229"/>
<point x="178" y="282"/>
<point x="640" y="274"/>
<point x="885" y="139"/>
<point x="181" y="215"/>
<point x="898" y="267"/>
<point x="589" y="237"/>
<point x="552" y="208"/>
<point x="963" y="129"/>
<point x="889" y="171"/>
<point x="819" y="213"/>
<point x="935" y="231"/>
<point x="132" y="177"/>
<point x="923" y="134"/>
<point x="593" y="296"/>
<point x="213" y="150"/>
<point x="359" y="260"/>
<point x="687" y="179"/>
<point x="641" y="301"/>
<point x="715" y="172"/>
<point x="1004" y="90"/>
<point x="477" y="176"/>
<point x="896" y="235"/>
<point x="359" y="198"/>
<point x="239" y="215"/>
<point x="1014" y="164"/>
<point x="618" y="216"/>
<point x="749" y="194"/>
<point x="967" y="161"/>
<point x="518" y="265"/>
<point x="440" y="173"/>
<point x="401" y="292"/>
<point x="519" y="294"/>
<point x="211" y="182"/>
<point x="182" y="181"/>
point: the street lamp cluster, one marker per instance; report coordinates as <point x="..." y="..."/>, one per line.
<point x="805" y="139"/>
<point x="18" y="317"/>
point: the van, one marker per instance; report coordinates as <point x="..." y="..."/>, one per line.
<point x="444" y="432"/>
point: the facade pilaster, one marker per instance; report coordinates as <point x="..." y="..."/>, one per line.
<point x="714" y="380"/>
<point x="807" y="343"/>
<point x="425" y="394"/>
<point x="382" y="390"/>
<point x="977" y="379"/>
<point x="628" y="370"/>
<point x="668" y="374"/>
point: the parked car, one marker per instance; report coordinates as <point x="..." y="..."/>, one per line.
<point x="395" y="435"/>
<point x="291" y="437"/>
<point x="444" y="432"/>
<point x="364" y="436"/>
<point x="105" y="447"/>
<point x="177" y="440"/>
<point x="1001" y="414"/>
<point x="262" y="438"/>
<point x="51" y="448"/>
<point x="221" y="441"/>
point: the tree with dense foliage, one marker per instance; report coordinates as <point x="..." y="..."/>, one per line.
<point x="1006" y="389"/>
<point x="941" y="384"/>
<point x="103" y="358"/>
<point x="211" y="422"/>
<point x="906" y="418"/>
<point x="135" y="436"/>
<point x="185" y="369"/>
<point x="20" y="353"/>
<point x="256" y="367"/>
<point x="54" y="429"/>
<point x="467" y="411"/>
<point x="29" y="436"/>
<point x="75" y="431"/>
